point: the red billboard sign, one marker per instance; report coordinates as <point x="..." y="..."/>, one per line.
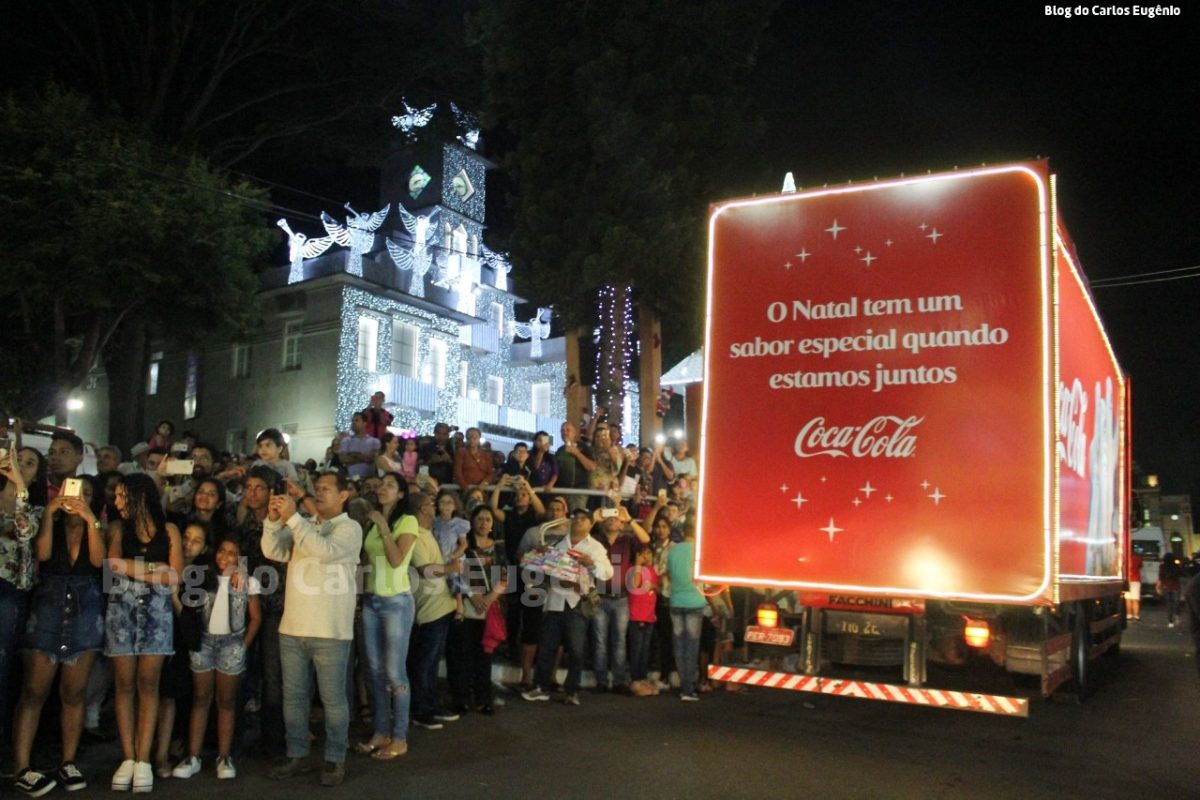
<point x="879" y="410"/>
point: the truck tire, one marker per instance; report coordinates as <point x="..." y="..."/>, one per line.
<point x="1081" y="642"/>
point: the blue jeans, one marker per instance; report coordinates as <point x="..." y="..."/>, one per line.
<point x="641" y="634"/>
<point x="428" y="645"/>
<point x="609" y="628"/>
<point x="330" y="659"/>
<point x="557" y="625"/>
<point x="687" y="624"/>
<point x="387" y="627"/>
<point x="14" y="605"/>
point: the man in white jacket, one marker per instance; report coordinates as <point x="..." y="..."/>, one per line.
<point x="317" y="629"/>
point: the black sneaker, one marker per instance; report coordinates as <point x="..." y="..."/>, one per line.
<point x="428" y="722"/>
<point x="445" y="715"/>
<point x="34" y="783"/>
<point x="70" y="777"/>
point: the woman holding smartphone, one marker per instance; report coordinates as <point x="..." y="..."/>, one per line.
<point x="65" y="628"/>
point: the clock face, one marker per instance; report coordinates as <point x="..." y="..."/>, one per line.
<point x="463" y="188"/>
<point x="418" y="179"/>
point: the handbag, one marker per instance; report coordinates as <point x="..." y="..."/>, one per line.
<point x="495" y="629"/>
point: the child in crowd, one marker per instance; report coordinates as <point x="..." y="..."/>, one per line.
<point x="174" y="688"/>
<point x="230" y="616"/>
<point x="270" y="448"/>
<point x="643" y="596"/>
<point x="408" y="461"/>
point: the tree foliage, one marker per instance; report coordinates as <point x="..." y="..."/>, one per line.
<point x="618" y="123"/>
<point x="247" y="81"/>
<point x="104" y="229"/>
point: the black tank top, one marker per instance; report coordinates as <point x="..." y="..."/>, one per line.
<point x="157" y="549"/>
<point x="59" y="562"/>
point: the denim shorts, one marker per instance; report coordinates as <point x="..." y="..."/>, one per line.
<point x="66" y="618"/>
<point x="224" y="652"/>
<point x="139" y="621"/>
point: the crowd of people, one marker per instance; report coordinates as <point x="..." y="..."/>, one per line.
<point x="188" y="578"/>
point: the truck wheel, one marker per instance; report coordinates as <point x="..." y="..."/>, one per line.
<point x="1080" y="645"/>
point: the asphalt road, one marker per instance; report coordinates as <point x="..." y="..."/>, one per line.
<point x="1136" y="737"/>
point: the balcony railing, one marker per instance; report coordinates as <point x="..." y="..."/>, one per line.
<point x="408" y="392"/>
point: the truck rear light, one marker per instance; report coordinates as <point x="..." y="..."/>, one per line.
<point x="976" y="632"/>
<point x="768" y="615"/>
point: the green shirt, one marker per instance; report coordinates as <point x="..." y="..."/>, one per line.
<point x="680" y="560"/>
<point x="383" y="579"/>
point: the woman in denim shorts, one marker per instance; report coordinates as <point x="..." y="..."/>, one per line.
<point x="65" y="627"/>
<point x="145" y="556"/>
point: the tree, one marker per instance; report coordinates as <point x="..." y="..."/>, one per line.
<point x="107" y="235"/>
<point x="618" y="123"/>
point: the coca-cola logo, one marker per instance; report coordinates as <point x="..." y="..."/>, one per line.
<point x="884" y="436"/>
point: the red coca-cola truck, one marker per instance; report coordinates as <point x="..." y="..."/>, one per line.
<point x="915" y="441"/>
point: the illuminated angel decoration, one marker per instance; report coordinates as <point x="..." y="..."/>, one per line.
<point x="535" y="330"/>
<point x="419" y="258"/>
<point x="500" y="263"/>
<point x="358" y="234"/>
<point x="413" y="118"/>
<point x="301" y="247"/>
<point x="466" y="121"/>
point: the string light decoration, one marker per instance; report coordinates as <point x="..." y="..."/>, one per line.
<point x="614" y="350"/>
<point x="535" y="330"/>
<point x="301" y="247"/>
<point x="358" y="234"/>
<point x="413" y="118"/>
<point x="459" y="162"/>
<point x="354" y="385"/>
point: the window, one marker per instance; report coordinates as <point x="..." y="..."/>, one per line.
<point x="368" y="342"/>
<point x="404" y="350"/>
<point x="240" y="365"/>
<point x="291" y="343"/>
<point x="235" y="440"/>
<point x="464" y="378"/>
<point x="540" y="401"/>
<point x="437" y="363"/>
<point x="152" y="378"/>
<point x="495" y="390"/>
<point x="496" y="317"/>
<point x="191" y="387"/>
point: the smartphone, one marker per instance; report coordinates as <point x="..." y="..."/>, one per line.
<point x="423" y="470"/>
<point x="608" y="513"/>
<point x="179" y="447"/>
<point x="180" y="466"/>
<point x="72" y="487"/>
<point x="5" y="445"/>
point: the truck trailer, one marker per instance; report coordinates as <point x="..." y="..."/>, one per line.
<point x="931" y="430"/>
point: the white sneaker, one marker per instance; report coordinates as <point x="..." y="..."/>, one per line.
<point x="143" y="776"/>
<point x="122" y="779"/>
<point x="225" y="768"/>
<point x="187" y="768"/>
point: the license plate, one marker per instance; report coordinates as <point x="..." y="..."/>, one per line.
<point x="756" y="634"/>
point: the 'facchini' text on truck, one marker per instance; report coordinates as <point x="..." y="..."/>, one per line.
<point x="916" y="438"/>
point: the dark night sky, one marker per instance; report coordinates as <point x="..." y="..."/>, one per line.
<point x="856" y="90"/>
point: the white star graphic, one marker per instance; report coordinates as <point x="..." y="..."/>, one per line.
<point x="924" y="484"/>
<point x="783" y="488"/>
<point x="934" y="236"/>
<point x="856" y="502"/>
<point x="868" y="258"/>
<point x="835" y="229"/>
<point x="937" y="496"/>
<point x="888" y="242"/>
<point x="787" y="265"/>
<point x="868" y="489"/>
<point x="922" y="226"/>
<point x="858" y="249"/>
<point x="799" y="500"/>
<point x="888" y="497"/>
<point x="823" y="479"/>
<point x="803" y="254"/>
<point x="831" y="529"/>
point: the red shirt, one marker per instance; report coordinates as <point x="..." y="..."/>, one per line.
<point x="642" y="598"/>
